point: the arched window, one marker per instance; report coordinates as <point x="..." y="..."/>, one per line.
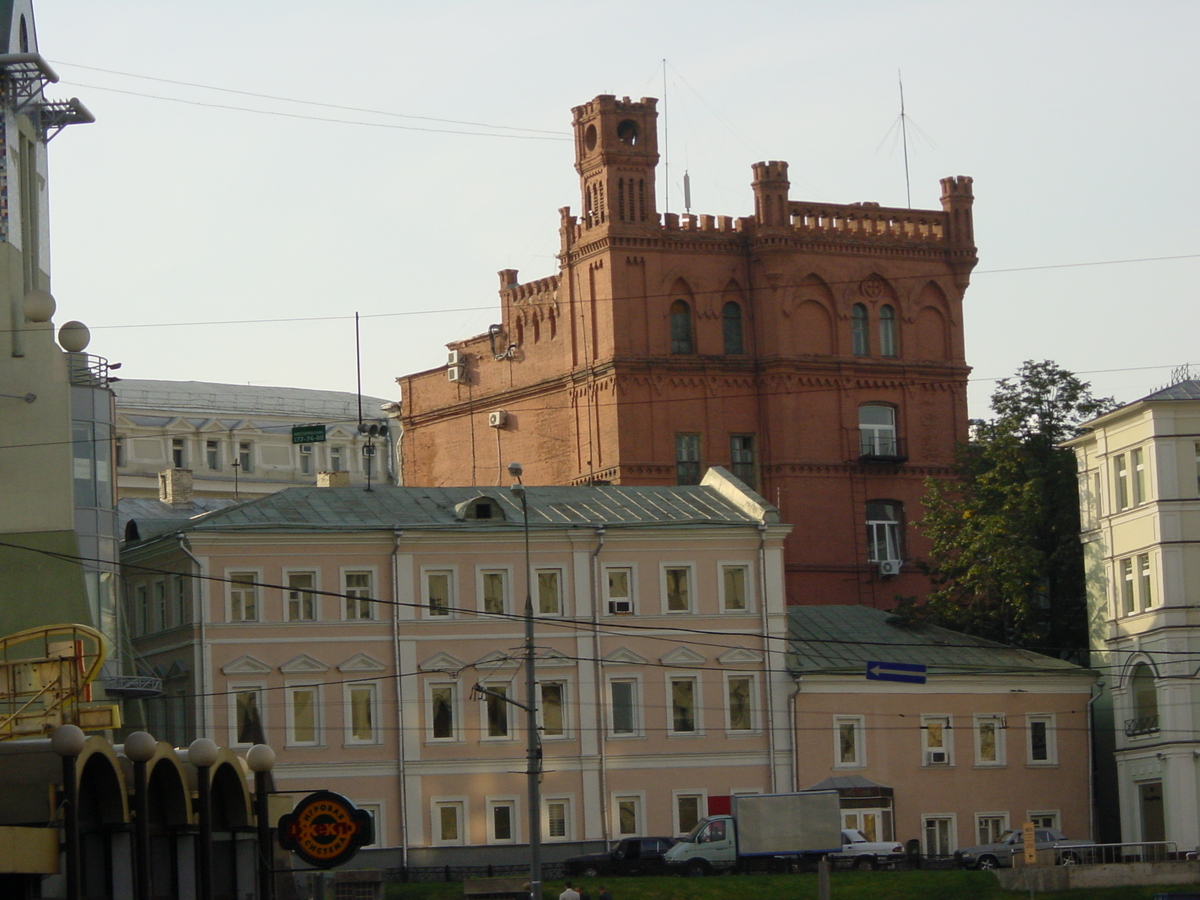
<point x="887" y="331"/>
<point x="883" y="530"/>
<point x="731" y="322"/>
<point x="860" y="345"/>
<point x="681" y="328"/>
<point x="877" y="431"/>
<point x="1145" y="702"/>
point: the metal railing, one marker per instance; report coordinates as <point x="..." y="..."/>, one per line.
<point x="1141" y="725"/>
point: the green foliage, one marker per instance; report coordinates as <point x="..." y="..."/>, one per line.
<point x="1006" y="561"/>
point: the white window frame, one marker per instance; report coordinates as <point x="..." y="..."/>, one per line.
<point x="348" y="691"/>
<point x="513" y="803"/>
<point x="1126" y="585"/>
<point x="980" y="817"/>
<point x="1137" y="475"/>
<point x="487" y="702"/>
<point x="212" y="455"/>
<point x="701" y="797"/>
<point x="631" y="588"/>
<point x="481" y="578"/>
<point x="289" y="692"/>
<point x="564" y="710"/>
<point x="1000" y="727"/>
<point x="235" y="689"/>
<point x="857" y="724"/>
<point x="696" y="682"/>
<point x="158" y="593"/>
<point x="755" y="718"/>
<point x="455" y="735"/>
<point x="567" y="801"/>
<point x="638" y="725"/>
<point x="1144" y="573"/>
<point x="928" y="749"/>
<point x="246" y="456"/>
<point x="689" y="587"/>
<point x="891" y="531"/>
<point x="1121" y="493"/>
<point x="375" y="809"/>
<point x="1044" y="818"/>
<point x="451" y="573"/>
<point x="306" y="459"/>
<point x="288" y="590"/>
<point x="638" y="801"/>
<point x="878" y="438"/>
<point x="747" y="587"/>
<point x="952" y="830"/>
<point x="462" y="807"/>
<point x="560" y="582"/>
<point x="360" y="601"/>
<point x="1050" y="721"/>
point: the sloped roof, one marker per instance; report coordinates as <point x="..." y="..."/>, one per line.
<point x="1184" y="390"/>
<point x="843" y="639"/>
<point x="153" y="517"/>
<point x="212" y="398"/>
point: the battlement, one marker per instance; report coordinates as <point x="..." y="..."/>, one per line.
<point x="609" y="103"/>
<point x="868" y="221"/>
<point x="542" y="290"/>
<point x="957" y="186"/>
<point x="772" y="170"/>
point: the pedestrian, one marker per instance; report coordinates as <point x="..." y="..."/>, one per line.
<point x="604" y="894"/>
<point x="569" y="894"/>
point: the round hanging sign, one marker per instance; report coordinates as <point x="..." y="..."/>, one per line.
<point x="325" y="829"/>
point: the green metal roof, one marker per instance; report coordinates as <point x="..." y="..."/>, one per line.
<point x="843" y="639"/>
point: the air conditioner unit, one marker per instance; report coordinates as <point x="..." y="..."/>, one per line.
<point x="889" y="567"/>
<point x="497" y="418"/>
<point x="620" y="607"/>
<point x="457" y="373"/>
<point x="455" y="358"/>
<point x="936" y="757"/>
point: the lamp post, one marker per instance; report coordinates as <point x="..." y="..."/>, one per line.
<point x="533" y="771"/>
<point x="68" y="742"/>
<point x="261" y="759"/>
<point x="203" y="755"/>
<point x="139" y="749"/>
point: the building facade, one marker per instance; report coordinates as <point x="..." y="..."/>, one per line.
<point x="815" y="350"/>
<point x="1139" y="478"/>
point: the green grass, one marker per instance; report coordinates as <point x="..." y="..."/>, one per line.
<point x="949" y="885"/>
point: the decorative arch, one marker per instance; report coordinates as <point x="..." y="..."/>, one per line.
<point x="932" y="333"/>
<point x="681" y="319"/>
<point x="814" y="329"/>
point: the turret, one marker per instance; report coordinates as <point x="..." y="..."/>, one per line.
<point x="771" y="187"/>
<point x="616" y="152"/>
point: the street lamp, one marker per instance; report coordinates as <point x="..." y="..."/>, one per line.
<point x="139" y="749"/>
<point x="261" y="759"/>
<point x="203" y="755"/>
<point x="68" y="742"/>
<point x="533" y="771"/>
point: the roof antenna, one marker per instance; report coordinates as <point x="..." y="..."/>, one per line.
<point x="904" y="140"/>
<point x="358" y="366"/>
<point x="666" y="146"/>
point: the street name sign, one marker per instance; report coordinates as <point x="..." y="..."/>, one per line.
<point x="909" y="673"/>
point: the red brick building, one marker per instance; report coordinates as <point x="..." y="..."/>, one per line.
<point x="815" y="350"/>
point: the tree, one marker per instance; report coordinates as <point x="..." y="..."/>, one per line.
<point x="1006" y="562"/>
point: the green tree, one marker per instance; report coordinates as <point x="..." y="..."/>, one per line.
<point x="1006" y="562"/>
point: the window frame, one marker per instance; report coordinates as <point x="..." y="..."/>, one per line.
<point x="689" y="456"/>
<point x="559" y="581"/>
<point x="489" y="706"/>
<point x="892" y="530"/>
<point x="1120" y="472"/>
<point x="860" y="335"/>
<point x="630" y="571"/>
<point x="567" y="802"/>
<point x="747" y="587"/>
<point x="1137" y="475"/>
<point x="237" y="689"/>
<point x="212" y="455"/>
<point x="290" y="691"/>
<point x="752" y="700"/>
<point x="486" y="575"/>
<point x="361" y="602"/>
<point x="951" y="820"/>
<point x="666" y="587"/>
<point x="246" y="456"/>
<point x="1145" y="581"/>
<point x="889" y="346"/>
<point x="697" y="705"/>
<point x="452" y="603"/>
<point x="461" y="807"/>
<point x="733" y="331"/>
<point x="637" y="724"/>
<point x="857" y="730"/>
<point x="454" y="705"/>
<point x="980" y="723"/>
<point x="563" y="706"/>
<point x="681" y="328"/>
<point x="512" y="803"/>
<point x="878" y="439"/>
<point x="677" y="819"/>
<point x="743" y="458"/>
<point x="1044" y="818"/>
<point x="999" y="821"/>
<point x="1126" y="586"/>
<point x="637" y="802"/>
<point x="946" y="745"/>
<point x="373" y="706"/>
<point x="1049" y="721"/>
<point x="313" y="597"/>
<point x="232" y="604"/>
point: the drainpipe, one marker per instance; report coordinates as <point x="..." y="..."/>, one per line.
<point x="598" y="678"/>
<point x="792" y="700"/>
<point x="1092" y="762"/>
<point x="201" y="614"/>
<point x="768" y="678"/>
<point x="403" y="793"/>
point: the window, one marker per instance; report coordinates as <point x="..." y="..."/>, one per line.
<point x="375" y="811"/>
<point x="1043" y="818"/>
<point x="438" y="592"/>
<point x="141" y="604"/>
<point x="628" y="815"/>
<point x="550" y="709"/>
<point x="1126" y="586"/>
<point x="502" y="821"/>
<point x="1145" y="595"/>
<point x="306" y="459"/>
<point x="362" y="701"/>
<point x="1145" y="702"/>
<point x="358" y="590"/>
<point x="301" y="601"/>
<point x="681" y="328"/>
<point x="212" y="454"/>
<point x="1138" y="465"/>
<point x="178" y="457"/>
<point x="731" y="327"/>
<point x="860" y="345"/>
<point x="449" y="818"/>
<point x="493" y="587"/>
<point x="1042" y="748"/>
<point x="689" y="810"/>
<point x="740" y="695"/>
<point x="246" y="456"/>
<point x="877" y="431"/>
<point x="937" y="741"/>
<point x="556" y="819"/>
<point x="683" y="705"/>
<point x="939" y="835"/>
<point x="495" y="705"/>
<point x="623" y="719"/>
<point x="248" y="724"/>
<point x="1197" y="451"/>
<point x="549" y="592"/>
<point x="989" y="827"/>
<point x="677" y="588"/>
<point x="883" y="530"/>
<point x="989" y="740"/>
<point x="335" y="459"/>
<point x="848" y="742"/>
<point x="159" y="621"/>
<point x="687" y="459"/>
<point x="741" y="459"/>
<point x="119" y="451"/>
<point x="619" y="590"/>
<point x="302" y="713"/>
<point x="443" y="699"/>
<point x="1121" y="480"/>
<point x="243" y="596"/>
<point x="887" y="331"/>
<point x="733" y="588"/>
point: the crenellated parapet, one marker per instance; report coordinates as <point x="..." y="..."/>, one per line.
<point x="869" y="222"/>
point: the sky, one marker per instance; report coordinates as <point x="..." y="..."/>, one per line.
<point x="261" y="172"/>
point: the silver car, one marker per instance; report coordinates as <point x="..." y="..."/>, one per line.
<point x="1000" y="854"/>
<point x="859" y="853"/>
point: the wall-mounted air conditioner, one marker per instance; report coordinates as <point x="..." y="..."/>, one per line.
<point x="620" y="607"/>
<point x="497" y="418"/>
<point x="455" y="358"/>
<point x="457" y="374"/>
<point x="888" y="567"/>
<point x="936" y="758"/>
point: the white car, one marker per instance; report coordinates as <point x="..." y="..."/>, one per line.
<point x="859" y="853"/>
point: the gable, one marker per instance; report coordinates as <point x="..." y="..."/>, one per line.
<point x="246" y="665"/>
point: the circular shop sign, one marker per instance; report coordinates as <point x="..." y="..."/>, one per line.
<point x="325" y="830"/>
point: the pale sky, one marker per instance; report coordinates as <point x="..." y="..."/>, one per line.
<point x="1079" y="121"/>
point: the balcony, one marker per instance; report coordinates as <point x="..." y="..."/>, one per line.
<point x="881" y="448"/>
<point x="1141" y="725"/>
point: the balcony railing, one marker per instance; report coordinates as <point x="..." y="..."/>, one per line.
<point x="1141" y="725"/>
<point x="881" y="448"/>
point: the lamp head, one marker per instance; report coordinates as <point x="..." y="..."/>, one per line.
<point x="515" y="469"/>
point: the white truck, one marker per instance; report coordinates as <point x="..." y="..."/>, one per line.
<point x="762" y="831"/>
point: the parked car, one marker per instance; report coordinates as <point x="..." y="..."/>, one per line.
<point x="631" y="856"/>
<point x="1000" y="854"/>
<point x="859" y="853"/>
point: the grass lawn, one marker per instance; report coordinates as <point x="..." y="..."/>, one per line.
<point x="950" y="885"/>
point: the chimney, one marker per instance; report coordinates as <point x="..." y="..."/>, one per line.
<point x="333" y="479"/>
<point x="175" y="488"/>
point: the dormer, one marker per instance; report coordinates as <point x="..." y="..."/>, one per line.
<point x="480" y="509"/>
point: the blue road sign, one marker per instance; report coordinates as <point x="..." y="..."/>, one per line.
<point x="910" y="673"/>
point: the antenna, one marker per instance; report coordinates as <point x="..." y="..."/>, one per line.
<point x="358" y="366"/>
<point x="666" y="146"/>
<point x="687" y="192"/>
<point x="904" y="140"/>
